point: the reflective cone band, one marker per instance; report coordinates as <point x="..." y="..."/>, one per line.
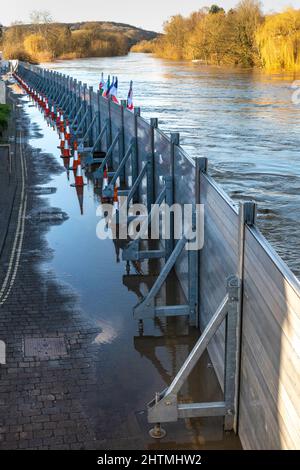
<point x="68" y="133"/>
<point x="62" y="140"/>
<point x="79" y="177"/>
<point x="66" y="151"/>
<point x="76" y="160"/>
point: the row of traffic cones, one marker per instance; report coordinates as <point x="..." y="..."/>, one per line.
<point x="56" y="115"/>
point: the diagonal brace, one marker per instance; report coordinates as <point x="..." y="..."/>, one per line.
<point x="146" y="308"/>
<point x="109" y="190"/>
<point x="99" y="172"/>
<point x="165" y="407"/>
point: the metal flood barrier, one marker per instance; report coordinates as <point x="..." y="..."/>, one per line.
<point x="238" y="291"/>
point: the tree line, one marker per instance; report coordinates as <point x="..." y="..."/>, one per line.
<point x="43" y="40"/>
<point x="242" y="36"/>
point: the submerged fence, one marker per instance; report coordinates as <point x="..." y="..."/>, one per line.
<point x="239" y="292"/>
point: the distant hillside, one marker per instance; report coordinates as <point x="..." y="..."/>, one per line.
<point x="50" y="41"/>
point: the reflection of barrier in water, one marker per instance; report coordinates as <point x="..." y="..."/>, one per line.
<point x="147" y="162"/>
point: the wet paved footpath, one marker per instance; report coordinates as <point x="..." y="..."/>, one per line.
<point x="76" y="376"/>
<point x="44" y="403"/>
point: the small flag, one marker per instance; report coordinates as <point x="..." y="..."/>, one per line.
<point x="110" y="87"/>
<point x="130" y="98"/>
<point x="101" y="84"/>
<point x="114" y="91"/>
<point x="106" y="87"/>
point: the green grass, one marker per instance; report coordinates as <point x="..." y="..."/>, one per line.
<point x="4" y="115"/>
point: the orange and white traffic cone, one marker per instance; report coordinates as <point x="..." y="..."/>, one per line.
<point x="76" y="160"/>
<point x="68" y="132"/>
<point x="79" y="177"/>
<point x="58" y="118"/>
<point x="62" y="141"/>
<point x="66" y="151"/>
<point x="62" y="120"/>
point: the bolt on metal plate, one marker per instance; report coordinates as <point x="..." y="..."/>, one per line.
<point x="45" y="348"/>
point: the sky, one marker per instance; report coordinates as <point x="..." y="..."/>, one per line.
<point x="148" y="14"/>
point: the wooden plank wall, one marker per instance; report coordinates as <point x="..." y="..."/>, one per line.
<point x="270" y="361"/>
<point x="218" y="260"/>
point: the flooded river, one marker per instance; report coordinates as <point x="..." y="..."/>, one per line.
<point x="247" y="126"/>
<point x="244" y="122"/>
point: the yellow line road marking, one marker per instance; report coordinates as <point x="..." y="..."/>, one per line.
<point x="15" y="255"/>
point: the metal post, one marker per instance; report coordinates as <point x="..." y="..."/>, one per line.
<point x="247" y="216"/>
<point x="135" y="155"/>
<point x="122" y="139"/>
<point x="175" y="139"/>
<point x="91" y="133"/>
<point x="74" y="99"/>
<point x="201" y="167"/>
<point x="78" y="100"/>
<point x="99" y="123"/>
<point x="109" y="127"/>
<point x="151" y="177"/>
<point x="230" y="368"/>
<point x="84" y="110"/>
<point x="169" y="244"/>
<point x="193" y="270"/>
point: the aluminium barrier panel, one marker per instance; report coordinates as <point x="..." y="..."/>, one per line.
<point x="116" y="126"/>
<point x="95" y="113"/>
<point x="218" y="260"/>
<point x="104" y="116"/>
<point x="144" y="150"/>
<point x="162" y="164"/>
<point x="270" y="359"/>
<point x="129" y="134"/>
<point x="184" y="193"/>
<point x="162" y="159"/>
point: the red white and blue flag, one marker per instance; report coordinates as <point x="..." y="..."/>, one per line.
<point x="130" y="98"/>
<point x="106" y="87"/>
<point x="114" y="91"/>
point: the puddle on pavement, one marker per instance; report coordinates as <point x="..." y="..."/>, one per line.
<point x="138" y="364"/>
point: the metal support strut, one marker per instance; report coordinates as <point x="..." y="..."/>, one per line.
<point x="166" y="408"/>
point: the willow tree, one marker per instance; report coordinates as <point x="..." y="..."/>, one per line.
<point x="278" y="40"/>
